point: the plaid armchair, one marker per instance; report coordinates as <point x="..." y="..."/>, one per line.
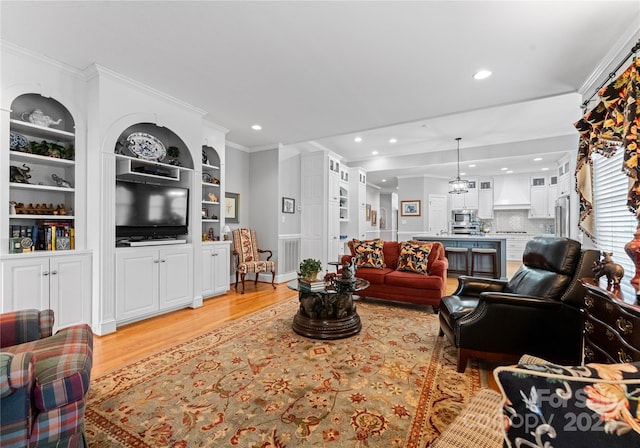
<point x="44" y="380"/>
<point x="247" y="253"/>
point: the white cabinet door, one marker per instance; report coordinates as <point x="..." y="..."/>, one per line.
<point x="333" y="243"/>
<point x="136" y="284"/>
<point x="70" y="289"/>
<point x="62" y="284"/>
<point x="564" y="185"/>
<point x="215" y="269"/>
<point x="25" y="284"/>
<point x="221" y="268"/>
<point x="176" y="287"/>
<point x="207" y="261"/>
<point x="552" y="196"/>
<point x="539" y="202"/>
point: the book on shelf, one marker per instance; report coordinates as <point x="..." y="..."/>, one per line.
<point x="46" y="235"/>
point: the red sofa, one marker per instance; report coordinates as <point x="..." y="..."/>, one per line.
<point x="404" y="286"/>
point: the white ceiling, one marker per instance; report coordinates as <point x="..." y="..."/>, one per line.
<point x="328" y="71"/>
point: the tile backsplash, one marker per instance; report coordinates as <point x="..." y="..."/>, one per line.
<point x="518" y="221"/>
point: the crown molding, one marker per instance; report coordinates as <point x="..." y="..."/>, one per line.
<point x="21" y="51"/>
<point x="98" y="70"/>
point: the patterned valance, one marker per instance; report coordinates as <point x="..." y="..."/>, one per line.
<point x="612" y="124"/>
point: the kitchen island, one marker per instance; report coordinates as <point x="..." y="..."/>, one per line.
<point x="471" y="241"/>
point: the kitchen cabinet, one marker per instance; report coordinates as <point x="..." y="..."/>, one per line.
<point x="543" y="197"/>
<point x="61" y="283"/>
<point x="468" y="200"/>
<point x="485" y="199"/>
<point x="216" y="257"/>
<point x="564" y="178"/>
<point x="515" y="247"/>
<point x="151" y="280"/>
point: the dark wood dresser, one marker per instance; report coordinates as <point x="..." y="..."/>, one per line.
<point x="612" y="325"/>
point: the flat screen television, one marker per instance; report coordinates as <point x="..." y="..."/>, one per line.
<point x="151" y="210"/>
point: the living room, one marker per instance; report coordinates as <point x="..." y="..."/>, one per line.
<point x="255" y="170"/>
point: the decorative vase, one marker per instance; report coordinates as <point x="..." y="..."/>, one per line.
<point x="311" y="277"/>
<point x="632" y="248"/>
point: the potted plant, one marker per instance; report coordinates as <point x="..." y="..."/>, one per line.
<point x="309" y="269"/>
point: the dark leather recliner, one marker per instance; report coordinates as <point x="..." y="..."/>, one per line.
<point x="537" y="311"/>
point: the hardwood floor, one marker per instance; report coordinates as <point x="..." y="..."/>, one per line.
<point x="137" y="340"/>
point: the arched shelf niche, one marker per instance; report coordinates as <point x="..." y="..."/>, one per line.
<point x="42" y="181"/>
<point x="212" y="195"/>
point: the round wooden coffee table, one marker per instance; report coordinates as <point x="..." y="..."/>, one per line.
<point x="328" y="313"/>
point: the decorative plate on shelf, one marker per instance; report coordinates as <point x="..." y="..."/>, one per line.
<point x="17" y="141"/>
<point x="206" y="177"/>
<point x="146" y="146"/>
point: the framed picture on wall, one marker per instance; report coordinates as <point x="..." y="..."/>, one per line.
<point x="374" y="217"/>
<point x="232" y="207"/>
<point x="367" y="215"/>
<point x="410" y="208"/>
<point x="288" y="205"/>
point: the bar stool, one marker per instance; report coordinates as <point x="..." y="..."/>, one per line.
<point x="458" y="251"/>
<point x="476" y="256"/>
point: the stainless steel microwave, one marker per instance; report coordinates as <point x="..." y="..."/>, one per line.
<point x="463" y="217"/>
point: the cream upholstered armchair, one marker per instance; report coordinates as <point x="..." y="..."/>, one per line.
<point x="247" y="253"/>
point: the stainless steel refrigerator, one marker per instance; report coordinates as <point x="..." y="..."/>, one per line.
<point x="562" y="216"/>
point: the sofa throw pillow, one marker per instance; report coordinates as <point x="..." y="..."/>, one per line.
<point x="590" y="405"/>
<point x="368" y="254"/>
<point x="414" y="257"/>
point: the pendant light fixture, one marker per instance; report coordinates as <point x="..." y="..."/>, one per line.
<point x="458" y="185"/>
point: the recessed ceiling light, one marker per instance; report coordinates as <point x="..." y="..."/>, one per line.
<point x="384" y="180"/>
<point x="510" y="172"/>
<point x="393" y="140"/>
<point x="504" y="169"/>
<point x="375" y="153"/>
<point x="473" y="165"/>
<point x="482" y="74"/>
<point x="545" y="169"/>
<point x="256" y="127"/>
<point x="463" y="174"/>
<point x="537" y="159"/>
<point x="357" y="139"/>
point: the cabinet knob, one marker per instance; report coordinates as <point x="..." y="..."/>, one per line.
<point x="214" y="255"/>
<point x="54" y="272"/>
<point x="163" y="261"/>
<point x="45" y="273"/>
<point x="156" y="261"/>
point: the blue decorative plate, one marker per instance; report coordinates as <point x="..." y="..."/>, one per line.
<point x="146" y="146"/>
<point x="17" y="141"/>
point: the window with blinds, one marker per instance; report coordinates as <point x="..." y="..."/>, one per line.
<point x="615" y="224"/>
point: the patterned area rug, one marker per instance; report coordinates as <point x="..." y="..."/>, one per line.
<point x="256" y="383"/>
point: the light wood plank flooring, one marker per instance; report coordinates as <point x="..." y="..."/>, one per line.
<point x="137" y="340"/>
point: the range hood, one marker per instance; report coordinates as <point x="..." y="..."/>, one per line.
<point x="512" y="206"/>
<point x="511" y="193"/>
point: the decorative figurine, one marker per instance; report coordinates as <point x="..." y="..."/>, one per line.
<point x="12" y="208"/>
<point x="37" y="117"/>
<point x="205" y="160"/>
<point x="19" y="175"/>
<point x="60" y="182"/>
<point x="210" y="234"/>
<point x="613" y="271"/>
<point x="213" y="197"/>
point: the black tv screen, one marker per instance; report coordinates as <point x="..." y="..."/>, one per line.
<point x="150" y="210"/>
